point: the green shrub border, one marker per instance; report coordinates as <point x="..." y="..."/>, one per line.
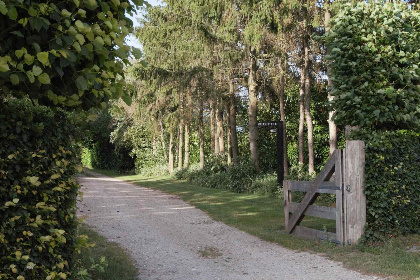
<point x="392" y="183"/>
<point x="38" y="158"/>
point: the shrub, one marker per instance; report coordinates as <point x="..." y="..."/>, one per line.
<point x="241" y="178"/>
<point x="392" y="183"/>
<point x="375" y="65"/>
<point x="38" y="158"/>
<point x="67" y="54"/>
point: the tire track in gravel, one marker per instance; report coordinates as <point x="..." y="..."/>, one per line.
<point x="172" y="240"/>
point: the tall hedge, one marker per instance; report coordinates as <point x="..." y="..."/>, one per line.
<point x="67" y="53"/>
<point x="392" y="183"/>
<point x="375" y="65"/>
<point x="38" y="159"/>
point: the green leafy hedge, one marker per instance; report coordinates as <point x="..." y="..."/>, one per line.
<point x="67" y="53"/>
<point x="241" y="178"/>
<point x="38" y="191"/>
<point x="375" y="65"/>
<point x="392" y="183"/>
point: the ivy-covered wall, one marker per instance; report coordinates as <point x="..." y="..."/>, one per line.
<point x="38" y="159"/>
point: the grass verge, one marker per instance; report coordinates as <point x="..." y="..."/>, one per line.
<point x="262" y="216"/>
<point x="119" y="264"/>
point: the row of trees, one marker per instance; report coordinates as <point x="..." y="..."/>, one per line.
<point x="203" y="60"/>
<point x="211" y="70"/>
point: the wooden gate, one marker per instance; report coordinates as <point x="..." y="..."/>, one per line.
<point x="343" y="176"/>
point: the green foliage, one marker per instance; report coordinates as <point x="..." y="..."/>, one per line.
<point x="375" y="65"/>
<point x="68" y="54"/>
<point x="38" y="158"/>
<point x="98" y="151"/>
<point x="241" y="179"/>
<point x="392" y="180"/>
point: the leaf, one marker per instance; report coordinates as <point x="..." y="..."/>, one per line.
<point x="127" y="99"/>
<point x="44" y="78"/>
<point x="31" y="76"/>
<point x="33" y="180"/>
<point x="137" y="53"/>
<point x="15" y="200"/>
<point x="80" y="38"/>
<point x="43" y="58"/>
<point x="36" y="70"/>
<point x="12" y="13"/>
<point x="19" y="53"/>
<point x="30" y="265"/>
<point x="32" y="12"/>
<point x="99" y="40"/>
<point x="65" y="13"/>
<point x="55" y="176"/>
<point x="77" y="47"/>
<point x="17" y="33"/>
<point x="3" y="8"/>
<point x="82" y="13"/>
<point x="81" y="83"/>
<point x="29" y="59"/>
<point x="14" y="79"/>
<point x="4" y="67"/>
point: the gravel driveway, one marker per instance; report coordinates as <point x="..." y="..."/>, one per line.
<point x="170" y="239"/>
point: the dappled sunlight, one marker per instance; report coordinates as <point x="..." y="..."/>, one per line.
<point x="182" y="208"/>
<point x="105" y="206"/>
<point x="247" y="214"/>
<point x="108" y="179"/>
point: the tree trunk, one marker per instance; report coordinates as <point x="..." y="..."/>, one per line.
<point x="201" y="135"/>
<point x="332" y="128"/>
<point x="307" y="81"/>
<point x="283" y="115"/>
<point x="228" y="136"/>
<point x="216" y="129"/>
<point x="301" y="114"/>
<point x="170" y="153"/>
<point x="220" y="130"/>
<point x="232" y="116"/>
<point x="187" y="146"/>
<point x="252" y="112"/>
<point x="180" y="143"/>
<point x="162" y="139"/>
<point x="154" y="146"/>
<point x="187" y="132"/>
<point x="212" y="125"/>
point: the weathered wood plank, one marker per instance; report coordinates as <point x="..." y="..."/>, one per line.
<point x="304" y="186"/>
<point x="312" y="193"/>
<point x="339" y="222"/>
<point x="314" y="234"/>
<point x="355" y="199"/>
<point x="315" y="211"/>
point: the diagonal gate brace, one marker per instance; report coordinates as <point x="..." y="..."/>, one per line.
<point x="312" y="193"/>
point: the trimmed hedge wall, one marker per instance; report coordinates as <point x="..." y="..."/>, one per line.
<point x="392" y="183"/>
<point x="38" y="159"/>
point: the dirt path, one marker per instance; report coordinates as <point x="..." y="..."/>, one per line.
<point x="170" y="239"/>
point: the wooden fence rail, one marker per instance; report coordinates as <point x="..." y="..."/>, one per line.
<point x="343" y="176"/>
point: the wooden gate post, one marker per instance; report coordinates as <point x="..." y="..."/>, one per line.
<point x="354" y="198"/>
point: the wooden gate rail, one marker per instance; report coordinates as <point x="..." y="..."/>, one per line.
<point x="346" y="185"/>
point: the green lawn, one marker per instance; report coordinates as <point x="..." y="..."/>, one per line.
<point x="262" y="216"/>
<point x="119" y="265"/>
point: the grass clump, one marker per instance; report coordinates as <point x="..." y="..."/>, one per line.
<point x="103" y="260"/>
